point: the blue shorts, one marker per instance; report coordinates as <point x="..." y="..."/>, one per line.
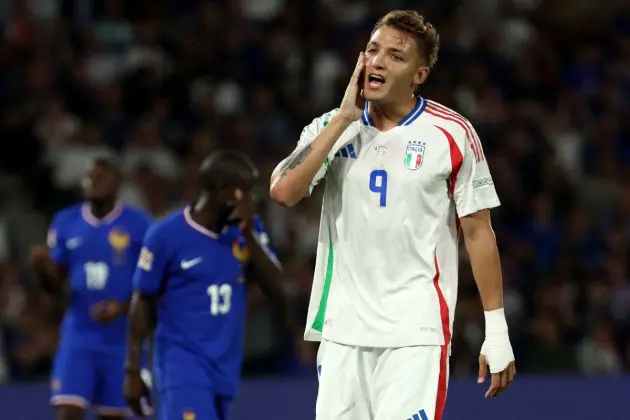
<point x="192" y="404"/>
<point x="83" y="377"/>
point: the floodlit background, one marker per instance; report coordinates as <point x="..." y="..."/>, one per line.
<point x="165" y="82"/>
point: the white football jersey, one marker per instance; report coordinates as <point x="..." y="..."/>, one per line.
<point x="387" y="256"/>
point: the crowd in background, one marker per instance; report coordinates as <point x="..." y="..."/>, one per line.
<point x="165" y="82"/>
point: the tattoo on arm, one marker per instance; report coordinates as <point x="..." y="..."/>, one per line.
<point x="298" y="159"/>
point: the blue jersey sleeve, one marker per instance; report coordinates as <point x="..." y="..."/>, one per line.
<point x="152" y="262"/>
<point x="263" y="237"/>
<point x="56" y="241"/>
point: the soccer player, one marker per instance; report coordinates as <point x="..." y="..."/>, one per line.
<point x="403" y="175"/>
<point x="191" y="278"/>
<point x="95" y="245"/>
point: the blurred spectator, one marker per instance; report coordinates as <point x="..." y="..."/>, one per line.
<point x="20" y="228"/>
<point x="146" y="147"/>
<point x="71" y="160"/>
<point x="597" y="353"/>
<point x="28" y="328"/>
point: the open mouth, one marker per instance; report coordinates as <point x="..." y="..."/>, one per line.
<point x="375" y="81"/>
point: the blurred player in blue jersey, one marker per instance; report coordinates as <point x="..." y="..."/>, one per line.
<point x="191" y="276"/>
<point x="95" y="245"/>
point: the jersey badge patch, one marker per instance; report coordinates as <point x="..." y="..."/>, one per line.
<point x="240" y="251"/>
<point x="119" y="240"/>
<point x="145" y="261"/>
<point x="188" y="415"/>
<point x="414" y="156"/>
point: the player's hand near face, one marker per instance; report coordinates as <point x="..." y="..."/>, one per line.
<point x="264" y="268"/>
<point x="352" y="104"/>
<point x="292" y="179"/>
<point x="245" y="209"/>
<point x="107" y="310"/>
<point x="499" y="359"/>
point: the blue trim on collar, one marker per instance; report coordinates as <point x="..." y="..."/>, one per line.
<point x="409" y="118"/>
<point x="365" y="118"/>
<point x="415" y="112"/>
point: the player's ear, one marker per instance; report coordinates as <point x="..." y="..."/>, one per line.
<point x="420" y="75"/>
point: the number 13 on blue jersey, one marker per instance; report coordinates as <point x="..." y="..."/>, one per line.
<point x="378" y="185"/>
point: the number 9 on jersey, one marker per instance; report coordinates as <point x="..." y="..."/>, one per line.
<point x="378" y="185"/>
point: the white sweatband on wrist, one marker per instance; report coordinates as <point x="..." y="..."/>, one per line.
<point x="495" y="322"/>
<point x="496" y="346"/>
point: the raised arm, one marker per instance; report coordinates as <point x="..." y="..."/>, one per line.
<point x="266" y="271"/>
<point x="263" y="266"/>
<point x="297" y="174"/>
<point x="293" y="178"/>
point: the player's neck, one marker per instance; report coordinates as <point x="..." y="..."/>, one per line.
<point x="100" y="209"/>
<point x="389" y="114"/>
<point x="207" y="214"/>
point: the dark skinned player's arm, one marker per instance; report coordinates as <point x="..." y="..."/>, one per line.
<point x="51" y="277"/>
<point x="141" y="323"/>
<point x="124" y="307"/>
<point x="267" y="271"/>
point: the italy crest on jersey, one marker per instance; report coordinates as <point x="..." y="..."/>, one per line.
<point x="414" y="154"/>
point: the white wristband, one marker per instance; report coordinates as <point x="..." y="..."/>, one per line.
<point x="495" y="322"/>
<point x="496" y="346"/>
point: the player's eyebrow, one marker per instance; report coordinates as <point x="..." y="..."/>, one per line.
<point x="390" y="49"/>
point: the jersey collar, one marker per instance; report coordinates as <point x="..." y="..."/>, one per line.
<point x="189" y="220"/>
<point x="90" y="219"/>
<point x="409" y="118"/>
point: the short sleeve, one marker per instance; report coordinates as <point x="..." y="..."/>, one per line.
<point x="152" y="262"/>
<point x="56" y="242"/>
<point x="474" y="187"/>
<point x="310" y="133"/>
